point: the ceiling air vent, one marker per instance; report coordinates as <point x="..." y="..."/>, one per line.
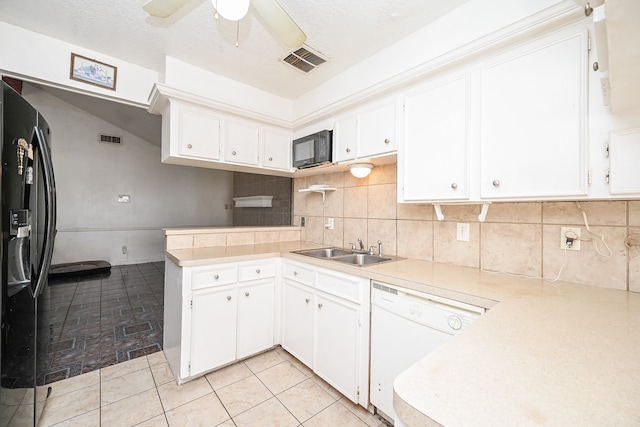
<point x="304" y="59"/>
<point x="111" y="139"/>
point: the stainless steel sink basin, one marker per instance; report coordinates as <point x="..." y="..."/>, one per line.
<point x="344" y="256"/>
<point x="361" y="259"/>
<point x="324" y="252"/>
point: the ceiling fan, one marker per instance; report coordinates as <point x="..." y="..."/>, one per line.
<point x="270" y="11"/>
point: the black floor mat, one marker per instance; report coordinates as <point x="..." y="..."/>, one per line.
<point x="82" y="269"/>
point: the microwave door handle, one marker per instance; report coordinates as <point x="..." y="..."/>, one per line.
<point x="44" y="154"/>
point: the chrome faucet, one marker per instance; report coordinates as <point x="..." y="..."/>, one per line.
<point x="361" y="244"/>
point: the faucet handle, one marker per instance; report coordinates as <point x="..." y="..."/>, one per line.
<point x="372" y="250"/>
<point x="353" y="246"/>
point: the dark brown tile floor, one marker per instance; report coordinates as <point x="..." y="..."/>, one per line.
<point x="100" y="321"/>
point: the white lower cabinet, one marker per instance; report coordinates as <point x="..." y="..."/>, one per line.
<point x="213" y="328"/>
<point x="217" y="314"/>
<point x="255" y="318"/>
<point x="297" y="321"/>
<point x="336" y="345"/>
<point x="326" y="326"/>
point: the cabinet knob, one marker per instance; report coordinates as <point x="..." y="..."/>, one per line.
<point x="233" y="153"/>
<point x="246" y="294"/>
<point x="189" y="146"/>
<point x="229" y="298"/>
<point x="496" y="183"/>
<point x="348" y="150"/>
<point x="454" y="185"/>
<point x="386" y="140"/>
<point x="271" y="159"/>
<point x="257" y="270"/>
<point x="319" y="305"/>
<point x="216" y="277"/>
<point x="307" y="300"/>
<point x="295" y="273"/>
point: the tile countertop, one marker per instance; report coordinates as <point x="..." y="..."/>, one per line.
<point x="544" y="354"/>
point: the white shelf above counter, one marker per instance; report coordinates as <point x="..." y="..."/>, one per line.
<point x="253" y="202"/>
<point x="317" y="189"/>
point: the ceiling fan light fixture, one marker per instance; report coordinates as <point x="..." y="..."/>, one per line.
<point x="233" y="10"/>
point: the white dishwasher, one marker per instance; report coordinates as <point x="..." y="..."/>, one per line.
<point x="405" y="326"/>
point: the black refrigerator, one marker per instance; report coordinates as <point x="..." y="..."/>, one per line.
<point x="28" y="230"/>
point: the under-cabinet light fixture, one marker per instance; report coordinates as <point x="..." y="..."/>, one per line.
<point x="360" y="170"/>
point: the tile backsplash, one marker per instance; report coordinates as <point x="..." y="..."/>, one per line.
<point x="248" y="184"/>
<point x="518" y="238"/>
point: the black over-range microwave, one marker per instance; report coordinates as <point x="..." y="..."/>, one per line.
<point x="312" y="150"/>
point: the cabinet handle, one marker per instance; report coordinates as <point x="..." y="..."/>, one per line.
<point x="319" y="305"/>
<point x="454" y="185"/>
<point x="348" y="150"/>
<point x="258" y="270"/>
<point x="271" y="159"/>
<point x="496" y="183"/>
<point x="295" y="273"/>
<point x="229" y="298"/>
<point x="386" y="140"/>
<point x="307" y="300"/>
<point x="233" y="153"/>
<point x="216" y="277"/>
<point x="246" y="294"/>
<point x="189" y="146"/>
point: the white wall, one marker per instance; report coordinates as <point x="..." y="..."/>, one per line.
<point x="90" y="175"/>
<point x="32" y="56"/>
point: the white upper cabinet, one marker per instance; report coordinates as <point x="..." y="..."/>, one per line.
<point x="241" y="142"/>
<point x="345" y="138"/>
<point x="435" y="153"/>
<point x="276" y="149"/>
<point x="624" y="153"/>
<point x="196" y="131"/>
<point x="378" y="128"/>
<point x="509" y="127"/>
<point x="533" y="120"/>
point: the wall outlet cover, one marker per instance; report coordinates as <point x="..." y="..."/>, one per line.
<point x="462" y="231"/>
<point x="568" y="233"/>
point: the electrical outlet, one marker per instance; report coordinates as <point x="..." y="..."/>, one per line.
<point x="303" y="222"/>
<point x="462" y="231"/>
<point x="124" y="250"/>
<point x="570" y="238"/>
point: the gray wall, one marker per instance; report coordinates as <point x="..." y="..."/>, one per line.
<point x="90" y="175"/>
<point x="248" y="184"/>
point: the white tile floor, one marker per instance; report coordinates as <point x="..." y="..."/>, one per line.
<point x="271" y="389"/>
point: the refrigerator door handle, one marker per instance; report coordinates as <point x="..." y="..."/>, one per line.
<point x="50" y="210"/>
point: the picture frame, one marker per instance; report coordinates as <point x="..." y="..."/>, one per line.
<point x="93" y="72"/>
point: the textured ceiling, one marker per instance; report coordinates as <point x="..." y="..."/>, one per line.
<point x="346" y="31"/>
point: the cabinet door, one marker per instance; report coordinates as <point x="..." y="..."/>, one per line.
<point x="213" y="328"/>
<point x="345" y="138"/>
<point x="624" y="152"/>
<point x="533" y="120"/>
<point x="276" y="150"/>
<point x="198" y="132"/>
<point x="435" y="150"/>
<point x="255" y="318"/>
<point x="336" y="344"/>
<point x="377" y="128"/>
<point x="241" y="142"/>
<point x="297" y="321"/>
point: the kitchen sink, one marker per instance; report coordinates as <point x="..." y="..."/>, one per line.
<point x="344" y="256"/>
<point x="324" y="252"/>
<point x="361" y="259"/>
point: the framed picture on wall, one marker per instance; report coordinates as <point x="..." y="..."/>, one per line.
<point x="93" y="72"/>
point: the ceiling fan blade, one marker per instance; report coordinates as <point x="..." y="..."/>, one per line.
<point x="280" y="22"/>
<point x="163" y="8"/>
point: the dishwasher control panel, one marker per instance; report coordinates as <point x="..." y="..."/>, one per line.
<point x="436" y="312"/>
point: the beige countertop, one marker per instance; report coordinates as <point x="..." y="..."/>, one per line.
<point x="544" y="354"/>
